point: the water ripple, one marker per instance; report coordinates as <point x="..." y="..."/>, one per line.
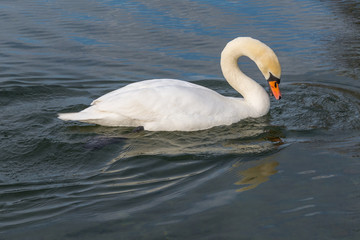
<point x="295" y="168"/>
<point x="309" y="106"/>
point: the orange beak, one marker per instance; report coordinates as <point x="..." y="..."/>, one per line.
<point x="275" y="91"/>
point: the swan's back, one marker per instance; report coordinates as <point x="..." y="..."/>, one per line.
<point x="145" y="86"/>
<point x="161" y="104"/>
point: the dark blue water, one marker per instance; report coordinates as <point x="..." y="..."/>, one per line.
<point x="292" y="174"/>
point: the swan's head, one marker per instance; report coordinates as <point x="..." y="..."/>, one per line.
<point x="269" y="65"/>
<point x="261" y="54"/>
<point x="274" y="86"/>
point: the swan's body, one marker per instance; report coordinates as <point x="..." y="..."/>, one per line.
<point x="174" y="105"/>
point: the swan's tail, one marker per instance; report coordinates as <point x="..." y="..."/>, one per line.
<point x="91" y="115"/>
<point x="78" y="116"/>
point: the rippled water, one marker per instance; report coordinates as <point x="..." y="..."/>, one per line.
<point x="292" y="174"/>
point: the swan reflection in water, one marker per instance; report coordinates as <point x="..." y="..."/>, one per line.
<point x="254" y="176"/>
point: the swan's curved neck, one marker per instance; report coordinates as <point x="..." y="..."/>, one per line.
<point x="253" y="93"/>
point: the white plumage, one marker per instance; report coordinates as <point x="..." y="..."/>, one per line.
<point x="175" y="105"/>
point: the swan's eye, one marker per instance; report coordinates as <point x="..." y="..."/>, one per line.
<point x="273" y="78"/>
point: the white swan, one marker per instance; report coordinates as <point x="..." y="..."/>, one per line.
<point x="174" y="105"/>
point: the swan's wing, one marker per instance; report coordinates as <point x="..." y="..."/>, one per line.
<point x="143" y="85"/>
<point x="162" y="105"/>
<point x="154" y="100"/>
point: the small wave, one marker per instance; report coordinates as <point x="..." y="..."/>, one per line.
<point x="308" y="106"/>
<point x="125" y="173"/>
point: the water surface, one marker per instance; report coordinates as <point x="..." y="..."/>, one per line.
<point x="292" y="174"/>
